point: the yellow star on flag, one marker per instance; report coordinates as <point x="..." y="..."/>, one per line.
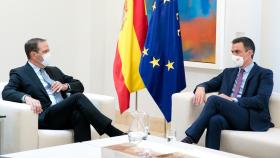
<point x="179" y="31"/>
<point x="169" y="65"/>
<point x="154" y="6"/>
<point x="155" y="62"/>
<point x="166" y="1"/>
<point x="145" y="51"/>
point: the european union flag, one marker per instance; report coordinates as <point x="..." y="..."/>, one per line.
<point x="162" y="66"/>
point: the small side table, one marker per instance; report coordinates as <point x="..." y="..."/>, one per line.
<point x="2" y="117"/>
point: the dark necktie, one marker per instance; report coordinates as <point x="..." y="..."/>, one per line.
<point x="238" y="83"/>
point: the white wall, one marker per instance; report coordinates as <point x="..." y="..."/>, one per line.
<point x="270" y="39"/>
<point x="83" y="37"/>
<point x="68" y="25"/>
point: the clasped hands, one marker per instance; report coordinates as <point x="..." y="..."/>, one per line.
<point x="200" y="98"/>
<point x="35" y="104"/>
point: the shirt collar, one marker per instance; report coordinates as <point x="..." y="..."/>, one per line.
<point x="249" y="67"/>
<point x="34" y="67"/>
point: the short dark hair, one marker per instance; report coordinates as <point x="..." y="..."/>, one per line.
<point x="32" y="45"/>
<point x="247" y="42"/>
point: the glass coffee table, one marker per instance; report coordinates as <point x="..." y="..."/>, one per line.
<point x="113" y="148"/>
<point x="157" y="147"/>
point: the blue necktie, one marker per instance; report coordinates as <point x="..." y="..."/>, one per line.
<point x="47" y="78"/>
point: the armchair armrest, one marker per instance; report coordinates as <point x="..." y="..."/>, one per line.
<point x="104" y="103"/>
<point x="19" y="128"/>
<point x="184" y="113"/>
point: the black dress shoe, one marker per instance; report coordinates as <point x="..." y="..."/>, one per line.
<point x="187" y="140"/>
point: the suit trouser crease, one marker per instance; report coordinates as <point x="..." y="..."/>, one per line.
<point x="81" y="127"/>
<point x="213" y="136"/>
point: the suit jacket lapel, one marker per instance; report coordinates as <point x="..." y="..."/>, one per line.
<point x="50" y="73"/>
<point x="35" y="79"/>
<point x="251" y="74"/>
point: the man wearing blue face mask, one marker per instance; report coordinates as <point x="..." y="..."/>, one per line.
<point x="45" y="89"/>
<point x="242" y="100"/>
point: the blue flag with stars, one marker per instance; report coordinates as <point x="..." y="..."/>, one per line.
<point x="162" y="66"/>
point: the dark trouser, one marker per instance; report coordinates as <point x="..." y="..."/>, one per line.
<point x="218" y="114"/>
<point x="76" y="112"/>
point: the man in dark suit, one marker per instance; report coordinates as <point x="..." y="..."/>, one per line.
<point x="242" y="100"/>
<point x="56" y="97"/>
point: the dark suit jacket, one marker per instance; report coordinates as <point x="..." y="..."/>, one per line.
<point x="256" y="93"/>
<point x="24" y="81"/>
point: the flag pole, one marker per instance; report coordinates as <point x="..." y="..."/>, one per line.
<point x="136" y="101"/>
<point x="165" y="128"/>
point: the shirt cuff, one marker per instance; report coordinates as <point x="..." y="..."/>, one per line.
<point x="23" y="98"/>
<point x="69" y="88"/>
<point x="235" y="100"/>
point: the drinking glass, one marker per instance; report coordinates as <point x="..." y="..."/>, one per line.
<point x="138" y="131"/>
<point x="139" y="127"/>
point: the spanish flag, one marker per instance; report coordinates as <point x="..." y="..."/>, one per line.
<point x="128" y="54"/>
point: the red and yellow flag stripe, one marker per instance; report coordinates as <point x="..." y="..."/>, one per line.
<point x="128" y="54"/>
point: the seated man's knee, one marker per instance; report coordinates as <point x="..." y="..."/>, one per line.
<point x="213" y="98"/>
<point x="212" y="101"/>
<point x="79" y="96"/>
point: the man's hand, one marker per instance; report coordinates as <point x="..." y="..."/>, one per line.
<point x="35" y="105"/>
<point x="58" y="86"/>
<point x="225" y="97"/>
<point x="199" y="96"/>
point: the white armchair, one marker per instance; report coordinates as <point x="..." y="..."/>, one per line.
<point x="20" y="131"/>
<point x="248" y="143"/>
